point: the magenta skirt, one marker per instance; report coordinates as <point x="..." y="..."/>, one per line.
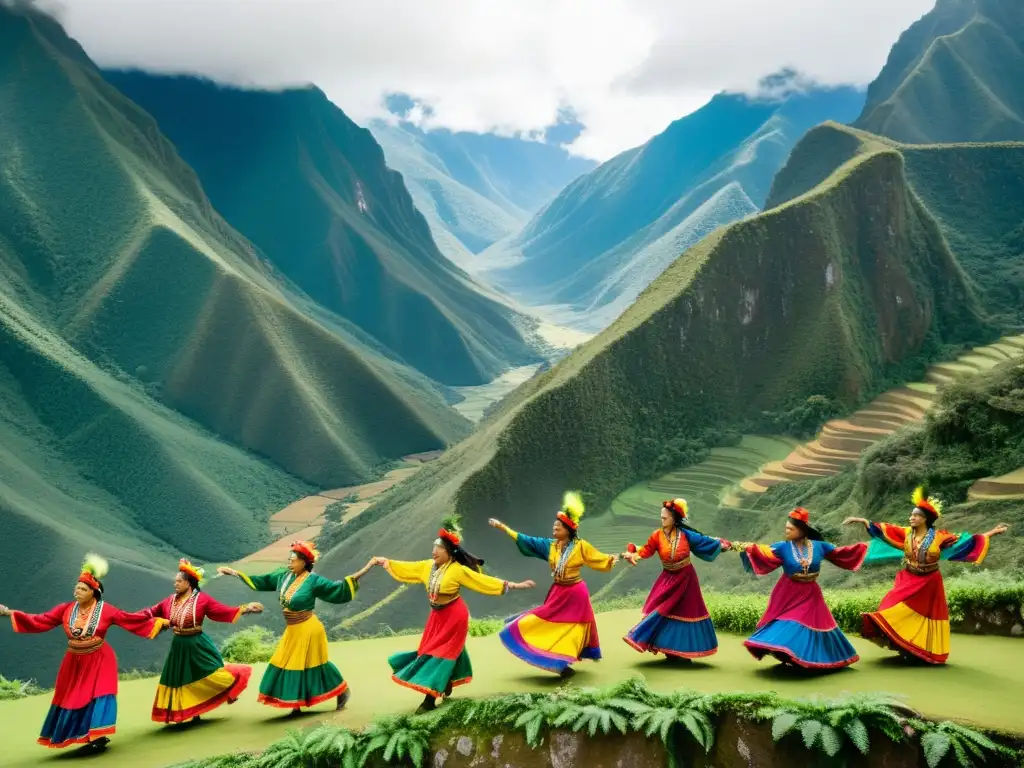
<point x="556" y="634"/>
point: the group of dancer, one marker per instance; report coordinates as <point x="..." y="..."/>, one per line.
<point x="797" y="628"/>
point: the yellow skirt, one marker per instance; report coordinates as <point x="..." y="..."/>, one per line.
<point x="299" y="673"/>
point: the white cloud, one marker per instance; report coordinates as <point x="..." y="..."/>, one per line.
<point x="626" y="67"/>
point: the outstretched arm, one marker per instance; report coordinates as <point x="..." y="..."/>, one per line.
<point x="759" y="559"/>
<point x="137" y="623"/>
<point x="707" y="548"/>
<point x="632" y="554"/>
<point x="489" y="585"/>
<point x="594" y="558"/>
<point x="267" y="582"/>
<point x="407" y="572"/>
<point x="529" y="546"/>
<point x="968" y="548"/>
<point x="227" y="614"/>
<point x="35" y="623"/>
<point x="887" y="533"/>
<point x="849" y="558"/>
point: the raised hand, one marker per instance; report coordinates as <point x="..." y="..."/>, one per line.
<point x="254" y="608"/>
<point x="528" y="584"/>
<point x="495" y="523"/>
<point x="852" y="520"/>
<point x="999" y="529"/>
<point x="225" y="571"/>
<point x="5" y="611"/>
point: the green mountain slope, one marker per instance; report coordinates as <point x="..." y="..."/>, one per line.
<point x="593" y="249"/>
<point x="953" y="76"/>
<point x="311" y="189"/>
<point x="974" y="192"/>
<point x="475" y="189"/>
<point x="838" y="292"/>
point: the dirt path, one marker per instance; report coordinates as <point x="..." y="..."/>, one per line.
<point x="303" y="519"/>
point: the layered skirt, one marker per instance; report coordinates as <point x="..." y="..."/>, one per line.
<point x="195" y="680"/>
<point x="84" y="706"/>
<point x="676" y="620"/>
<point x="798" y="628"/>
<point x="913" y="618"/>
<point x="556" y="634"/>
<point x="441" y="662"/>
<point x="299" y="673"/>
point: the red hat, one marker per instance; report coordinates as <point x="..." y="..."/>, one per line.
<point x="802" y="518"/>
<point x="306" y="549"/>
<point x="679" y="505"/>
<point x="451" y="536"/>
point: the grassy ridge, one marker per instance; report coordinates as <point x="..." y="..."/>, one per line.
<point x="953" y="76"/>
<point x="806" y="299"/>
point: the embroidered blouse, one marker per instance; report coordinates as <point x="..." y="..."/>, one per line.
<point x="87" y="631"/>
<point x="565" y="563"/>
<point x="675" y="550"/>
<point x="186" y="616"/>
<point x="443" y="584"/>
<point x="801" y="561"/>
<point x="300" y="593"/>
<point x="936" y="545"/>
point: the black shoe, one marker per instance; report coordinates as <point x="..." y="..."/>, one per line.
<point x="566" y="673"/>
<point x="99" y="744"/>
<point x="448" y="689"/>
<point x="295" y="712"/>
<point x="429" y="705"/>
<point x="343" y="699"/>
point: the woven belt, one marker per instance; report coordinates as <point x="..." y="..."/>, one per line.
<point x="187" y="631"/>
<point x="676" y="566"/>
<point x="568" y="582"/>
<point x="296" y="617"/>
<point x="439" y="606"/>
<point x="804" y="578"/>
<point x="84" y="646"/>
<point x="920" y="570"/>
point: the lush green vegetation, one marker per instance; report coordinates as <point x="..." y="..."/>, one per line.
<point x="249" y="646"/>
<point x="18" y="689"/>
<point x="953" y="76"/>
<point x="682" y="720"/>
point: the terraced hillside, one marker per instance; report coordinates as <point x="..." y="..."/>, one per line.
<point x="981" y="215"/>
<point x="841" y="442"/>
<point x="311" y="190"/>
<point x="162" y="391"/>
<point x="594" y="248"/>
<point x="834" y="293"/>
<point x="475" y="189"/>
<point x="954" y="76"/>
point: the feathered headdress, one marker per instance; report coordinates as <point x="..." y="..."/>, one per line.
<point x="929" y="505"/>
<point x="93" y="569"/>
<point x="679" y="505"/>
<point x="306" y="549"/>
<point x="186" y="567"/>
<point x="572" y="509"/>
<point x="451" y="529"/>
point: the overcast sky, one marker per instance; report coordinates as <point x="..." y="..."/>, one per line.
<point x="626" y="68"/>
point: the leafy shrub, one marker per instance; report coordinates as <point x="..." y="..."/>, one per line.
<point x="137" y="674"/>
<point x="249" y="646"/>
<point x="18" y="689"/>
<point x="802" y="420"/>
<point x="485" y="627"/>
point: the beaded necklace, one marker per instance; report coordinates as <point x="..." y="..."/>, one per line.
<point x="290" y="585"/>
<point x="920" y="554"/>
<point x="673" y="541"/>
<point x="181" y="608"/>
<point x="805" y="558"/>
<point x="434" y="582"/>
<point x="91" y="622"/>
<point x="563" y="560"/>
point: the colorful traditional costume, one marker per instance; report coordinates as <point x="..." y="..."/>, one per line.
<point x="299" y="673"/>
<point x="84" y="707"/>
<point x="195" y="679"/>
<point x="563" y="630"/>
<point x="441" y="661"/>
<point x="676" y="620"/>
<point x="913" y="616"/>
<point x="798" y="627"/>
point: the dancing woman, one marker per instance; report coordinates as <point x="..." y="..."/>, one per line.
<point x="441" y="661"/>
<point x="798" y="628"/>
<point x="195" y="679"/>
<point x="913" y="617"/>
<point x="300" y="674"/>
<point x="84" y="707"/>
<point x="562" y="631"/>
<point x="675" y="619"/>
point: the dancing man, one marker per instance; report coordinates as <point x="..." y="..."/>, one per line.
<point x="441" y="661"/>
<point x="84" y="707"/>
<point x="562" y="631"/>
<point x="675" y="620"/>
<point x="913" y="618"/>
<point x="300" y="673"/>
<point x="798" y="628"/>
<point x="195" y="679"/>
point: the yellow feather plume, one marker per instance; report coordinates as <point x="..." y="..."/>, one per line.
<point x="572" y="505"/>
<point x="917" y="496"/>
<point x="95" y="565"/>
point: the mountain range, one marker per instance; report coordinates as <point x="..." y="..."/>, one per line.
<point x="475" y="189"/>
<point x="590" y="252"/>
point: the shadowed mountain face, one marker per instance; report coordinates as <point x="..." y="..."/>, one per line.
<point x="475" y="189"/>
<point x="162" y="389"/>
<point x="954" y="76"/>
<point x="311" y="190"/>
<point x="594" y="248"/>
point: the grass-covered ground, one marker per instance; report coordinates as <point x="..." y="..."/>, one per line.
<point x="982" y="671"/>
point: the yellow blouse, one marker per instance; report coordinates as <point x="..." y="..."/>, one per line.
<point x="443" y="584"/>
<point x="567" y="563"/>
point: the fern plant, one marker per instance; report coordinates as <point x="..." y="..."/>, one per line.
<point x="964" y="744"/>
<point x="399" y="738"/>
